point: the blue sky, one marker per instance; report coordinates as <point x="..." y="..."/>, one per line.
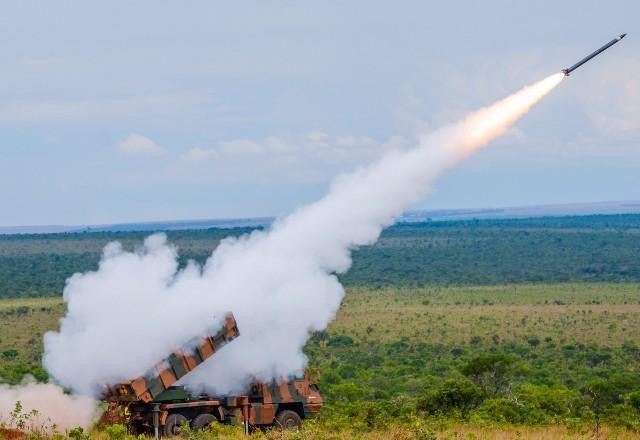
<point x="134" y="111"/>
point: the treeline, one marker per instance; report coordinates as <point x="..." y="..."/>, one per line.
<point x="591" y="249"/>
<point x="603" y="248"/>
<point x="33" y="265"/>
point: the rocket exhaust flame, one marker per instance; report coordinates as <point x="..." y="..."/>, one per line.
<point x="280" y="284"/>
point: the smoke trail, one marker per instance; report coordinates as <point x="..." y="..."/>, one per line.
<point x="279" y="284"/>
<point x="55" y="409"/>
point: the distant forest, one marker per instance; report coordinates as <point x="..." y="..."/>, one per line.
<point x="599" y="248"/>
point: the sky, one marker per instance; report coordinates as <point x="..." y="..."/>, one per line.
<point x="145" y="111"/>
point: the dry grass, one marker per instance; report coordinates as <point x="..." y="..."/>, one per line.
<point x="590" y="314"/>
<point x="408" y="433"/>
<point x="23" y="322"/>
<point x="30" y="302"/>
<point x="602" y="314"/>
<point x="544" y="433"/>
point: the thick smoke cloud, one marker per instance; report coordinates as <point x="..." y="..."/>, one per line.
<point x="280" y="284"/>
<point x="55" y="409"/>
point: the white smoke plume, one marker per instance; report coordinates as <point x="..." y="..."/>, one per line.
<point x="280" y="284"/>
<point x="55" y="409"/>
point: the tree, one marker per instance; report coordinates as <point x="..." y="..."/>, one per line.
<point x="534" y="342"/>
<point x="599" y="395"/>
<point x="490" y="372"/>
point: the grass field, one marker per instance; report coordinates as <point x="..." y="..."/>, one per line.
<point x="418" y="433"/>
<point x="394" y="350"/>
<point x="590" y="314"/>
<point x="23" y="322"/>
<point x="390" y="347"/>
<point x="600" y="314"/>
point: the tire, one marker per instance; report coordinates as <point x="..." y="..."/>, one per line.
<point x="288" y="419"/>
<point x="172" y="425"/>
<point x="135" y="428"/>
<point x="203" y="421"/>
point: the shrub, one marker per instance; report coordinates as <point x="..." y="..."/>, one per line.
<point x="534" y="342"/>
<point x="501" y="410"/>
<point x="453" y="394"/>
<point x="116" y="432"/>
<point x="10" y="353"/>
<point x="340" y="341"/>
<point x="625" y="416"/>
<point x="556" y="402"/>
<point x="633" y="399"/>
<point x="78" y="434"/>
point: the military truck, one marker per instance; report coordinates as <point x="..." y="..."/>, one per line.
<point x="153" y="404"/>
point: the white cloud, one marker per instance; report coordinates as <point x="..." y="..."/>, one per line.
<point x="308" y="158"/>
<point x="313" y="145"/>
<point x="68" y="110"/>
<point x="317" y="136"/>
<point x="278" y="146"/>
<point x="613" y="101"/>
<point x="138" y="145"/>
<point x="197" y="154"/>
<point x="241" y="147"/>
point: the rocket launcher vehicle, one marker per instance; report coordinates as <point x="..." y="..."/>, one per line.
<point x="175" y="366"/>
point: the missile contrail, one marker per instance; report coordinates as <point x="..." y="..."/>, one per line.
<point x="280" y="284"/>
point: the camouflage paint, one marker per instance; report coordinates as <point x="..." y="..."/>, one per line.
<point x="174" y="367"/>
<point x="136" y="398"/>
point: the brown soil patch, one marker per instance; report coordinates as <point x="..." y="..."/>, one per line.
<point x="12" y="434"/>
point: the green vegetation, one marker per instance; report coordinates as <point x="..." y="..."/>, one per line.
<point x="493" y="252"/>
<point x="23" y="321"/>
<point x="447" y="330"/>
<point x="533" y="355"/>
<point x="311" y="430"/>
<point x="475" y="252"/>
<point x="456" y="356"/>
<point x="34" y="265"/>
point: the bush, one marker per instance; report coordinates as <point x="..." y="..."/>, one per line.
<point x="78" y="434"/>
<point x="625" y="416"/>
<point x="534" y="342"/>
<point x="633" y="399"/>
<point x="501" y="410"/>
<point x="454" y="394"/>
<point x="340" y="341"/>
<point x="10" y="353"/>
<point x="116" y="432"/>
<point x="601" y="393"/>
<point x="555" y="403"/>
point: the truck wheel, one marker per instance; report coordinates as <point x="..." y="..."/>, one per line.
<point x="173" y="424"/>
<point x="135" y="428"/>
<point x="288" y="419"/>
<point x="203" y="421"/>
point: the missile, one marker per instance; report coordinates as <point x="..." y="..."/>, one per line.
<point x="568" y="70"/>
